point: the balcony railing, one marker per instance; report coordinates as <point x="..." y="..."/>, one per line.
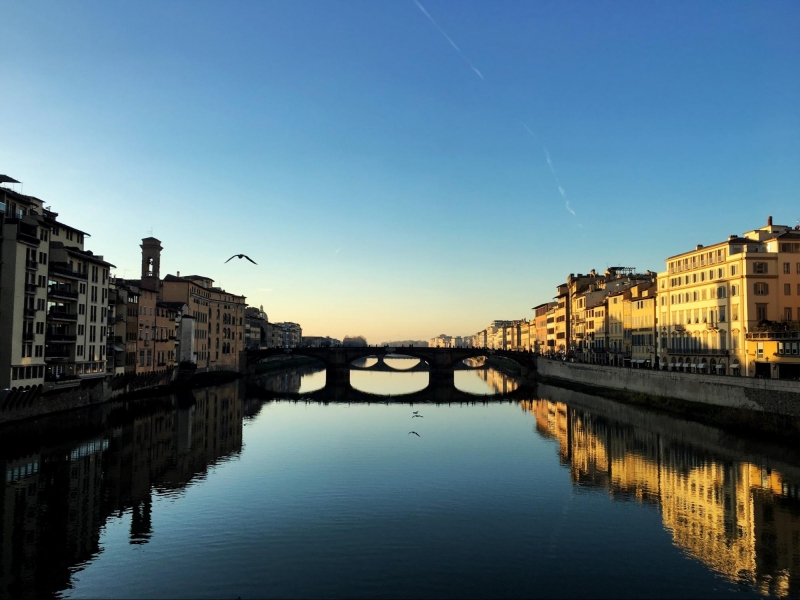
<point x="30" y="288"/>
<point x="65" y="271"/>
<point x="60" y="378"/>
<point x="28" y="336"/>
<point x="28" y="239"/>
<point x="29" y="313"/>
<point x="31" y="264"/>
<point x="53" y="354"/>
<point x="62" y="315"/>
<point x="60" y="337"/>
<point x="699" y="352"/>
<point x="773" y="335"/>
<point x="62" y="291"/>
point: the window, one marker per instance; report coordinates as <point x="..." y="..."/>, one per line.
<point x="761" y="312"/>
<point x="721" y="292"/>
<point x="786" y="268"/>
<point x="760" y="289"/>
<point x="733" y="270"/>
<point x="787" y="314"/>
<point x="721" y="314"/>
<point x="760" y="349"/>
<point x="734" y="290"/>
<point x="787" y="289"/>
<point x="760" y="268"/>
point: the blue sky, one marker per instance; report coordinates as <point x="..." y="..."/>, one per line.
<point x="382" y="185"/>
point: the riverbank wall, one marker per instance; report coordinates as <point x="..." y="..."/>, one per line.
<point x="37" y="402"/>
<point x="772" y="396"/>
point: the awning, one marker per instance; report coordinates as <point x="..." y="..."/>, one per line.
<point x="687" y="365"/>
<point x="701" y="365"/>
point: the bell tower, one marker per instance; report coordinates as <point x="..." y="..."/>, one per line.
<point x="151" y="259"/>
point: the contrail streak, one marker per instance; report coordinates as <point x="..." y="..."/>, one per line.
<point x="449" y="39"/>
<point x="561" y="189"/>
<point x="552" y="167"/>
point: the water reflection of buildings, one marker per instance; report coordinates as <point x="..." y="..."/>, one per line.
<point x="739" y="519"/>
<point x="500" y="383"/>
<point x="56" y="501"/>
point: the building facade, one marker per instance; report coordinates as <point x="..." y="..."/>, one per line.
<point x="54" y="295"/>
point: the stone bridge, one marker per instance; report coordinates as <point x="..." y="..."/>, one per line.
<point x="441" y="362"/>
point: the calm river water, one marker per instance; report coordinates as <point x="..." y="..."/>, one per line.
<point x="226" y="493"/>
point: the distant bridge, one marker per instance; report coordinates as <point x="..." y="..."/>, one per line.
<point x="441" y="362"/>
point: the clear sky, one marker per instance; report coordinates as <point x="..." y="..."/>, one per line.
<point x="386" y="163"/>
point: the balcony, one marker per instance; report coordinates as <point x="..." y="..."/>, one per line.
<point x="698" y="352"/>
<point x="64" y="379"/>
<point x="31" y="264"/>
<point x="679" y="328"/>
<point x="61" y="291"/>
<point x="28" y="239"/>
<point x="52" y="336"/>
<point x="773" y="335"/>
<point x="53" y="354"/>
<point x="61" y="315"/>
<point x="30" y="288"/>
<point x="28" y="336"/>
<point x="64" y="270"/>
<point x="29" y="313"/>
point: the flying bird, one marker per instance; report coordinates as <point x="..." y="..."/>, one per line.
<point x="415" y="433"/>
<point x="241" y="256"/>
<point x="416" y="412"/>
<point x="415" y="416"/>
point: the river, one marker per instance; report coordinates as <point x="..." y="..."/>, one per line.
<point x="223" y="493"/>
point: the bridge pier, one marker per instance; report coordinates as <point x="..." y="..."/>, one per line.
<point x="337" y="383"/>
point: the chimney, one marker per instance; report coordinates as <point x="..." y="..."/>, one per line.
<point x="179" y="274"/>
<point x="769" y="221"/>
<point x="698" y="246"/>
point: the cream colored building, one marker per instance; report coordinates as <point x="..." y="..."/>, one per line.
<point x="712" y="299"/>
<point x="642" y="325"/>
<point x="54" y="298"/>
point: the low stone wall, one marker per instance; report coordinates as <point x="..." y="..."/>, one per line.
<point x="39" y="402"/>
<point x="770" y="395"/>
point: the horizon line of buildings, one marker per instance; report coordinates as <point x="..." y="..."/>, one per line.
<point x="732" y="308"/>
<point x="66" y="319"/>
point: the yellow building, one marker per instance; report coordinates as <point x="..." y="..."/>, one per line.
<point x="712" y="300"/>
<point x="618" y="351"/>
<point x="561" y="315"/>
<point x="642" y="320"/>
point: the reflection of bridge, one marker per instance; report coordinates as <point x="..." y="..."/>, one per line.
<point x="437" y="392"/>
<point x="441" y="362"/>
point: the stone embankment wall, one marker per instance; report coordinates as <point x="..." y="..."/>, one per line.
<point x="769" y="395"/>
<point x="36" y="403"/>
